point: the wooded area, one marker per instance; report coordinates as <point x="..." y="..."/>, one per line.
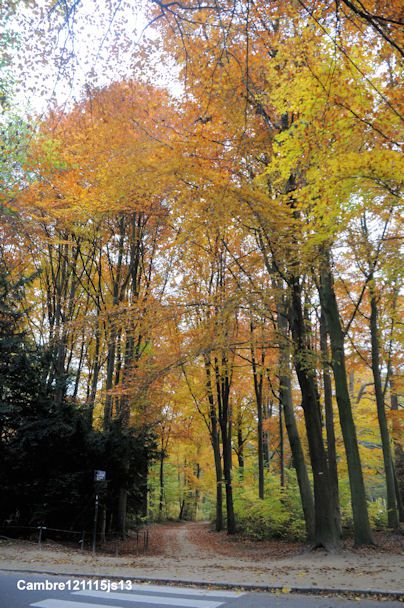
<point x="201" y="283"/>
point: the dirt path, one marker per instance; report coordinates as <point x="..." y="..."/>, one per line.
<point x="177" y="541"/>
<point x="191" y="552"/>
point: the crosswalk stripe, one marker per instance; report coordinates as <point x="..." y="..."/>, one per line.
<point x="185" y="591"/>
<point x="148" y="599"/>
<point x="53" y="603"/>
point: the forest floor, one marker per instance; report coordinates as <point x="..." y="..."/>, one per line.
<point x="192" y="552"/>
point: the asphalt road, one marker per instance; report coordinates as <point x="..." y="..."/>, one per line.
<point x="17" y="590"/>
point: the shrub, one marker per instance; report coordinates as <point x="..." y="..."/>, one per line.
<point x="378" y="513"/>
<point x="279" y="515"/>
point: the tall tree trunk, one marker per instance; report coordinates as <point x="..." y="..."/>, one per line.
<point x="392" y="515"/>
<point x="215" y="441"/>
<point x="281" y="449"/>
<point x="223" y="394"/>
<point x="400" y="504"/>
<point x="94" y="378"/>
<point x="325" y="529"/>
<point x="398" y="451"/>
<point x="285" y="398"/>
<point x="267" y="438"/>
<point x="362" y="531"/>
<point x="231" y="520"/>
<point x="258" y="386"/>
<point x="219" y="483"/>
<point x="197" y="492"/>
<point x="329" y="423"/>
<point x="96" y="364"/>
<point x="121" y="498"/>
<point x="109" y="380"/>
<point x="161" y="485"/>
<point x="122" y="511"/>
<point x="143" y="473"/>
<point x="240" y="445"/>
<point x="79" y="368"/>
<point x="111" y="351"/>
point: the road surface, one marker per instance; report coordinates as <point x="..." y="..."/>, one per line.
<point x="18" y="590"/>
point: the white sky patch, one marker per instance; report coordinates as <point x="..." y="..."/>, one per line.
<point x="102" y="41"/>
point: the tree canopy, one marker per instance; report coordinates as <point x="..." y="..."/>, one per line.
<point x="206" y="276"/>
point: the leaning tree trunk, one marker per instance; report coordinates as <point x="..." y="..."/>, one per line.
<point x="392" y="515"/>
<point x="362" y="531"/>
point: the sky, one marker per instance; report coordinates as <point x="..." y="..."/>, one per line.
<point x="103" y="41"/>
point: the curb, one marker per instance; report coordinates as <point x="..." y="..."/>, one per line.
<point x="398" y="595"/>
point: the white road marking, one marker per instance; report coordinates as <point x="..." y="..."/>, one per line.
<point x="148" y="599"/>
<point x="186" y="591"/>
<point x="52" y="603"/>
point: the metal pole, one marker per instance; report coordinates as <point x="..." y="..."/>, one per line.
<point x="95" y="523"/>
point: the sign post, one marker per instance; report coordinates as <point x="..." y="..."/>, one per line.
<point x="98" y="476"/>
